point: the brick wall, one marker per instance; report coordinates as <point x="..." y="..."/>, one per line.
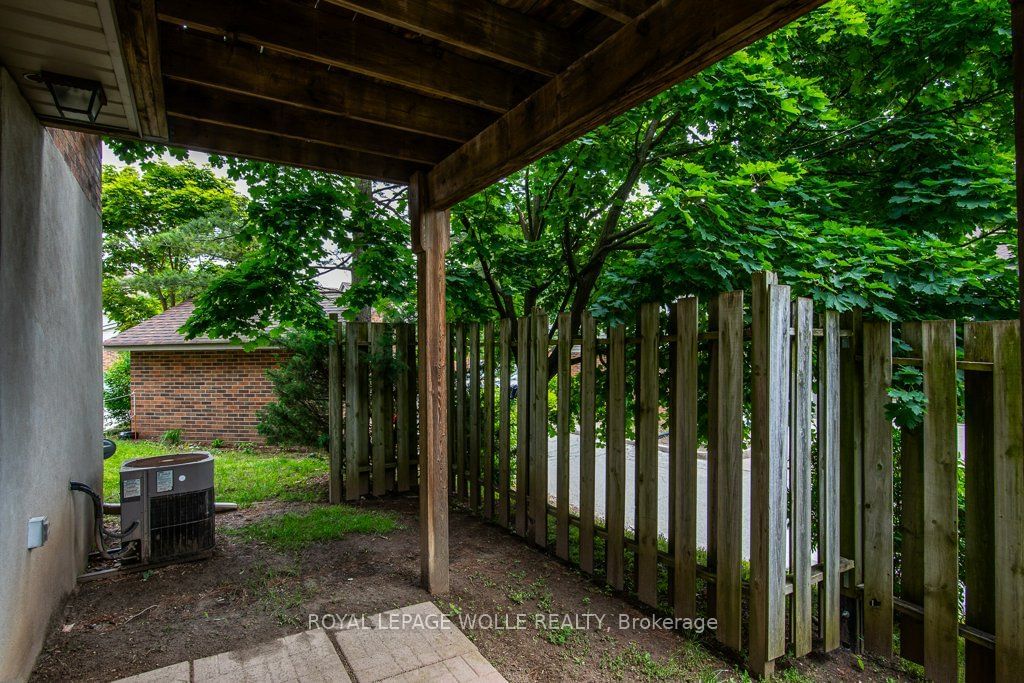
<point x="206" y="394"/>
<point x="81" y="152"/>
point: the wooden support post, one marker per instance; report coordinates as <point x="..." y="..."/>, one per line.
<point x="523" y="398"/>
<point x="828" y="481"/>
<point x="588" y="438"/>
<point x="979" y="488"/>
<point x="729" y="470"/>
<point x="335" y="410"/>
<point x="1008" y="446"/>
<point x="878" y="489"/>
<point x="430" y="235"/>
<point x="615" y="477"/>
<point x="769" y="455"/>
<point x="504" y="420"/>
<point x="563" y="435"/>
<point x="539" y="427"/>
<point x="647" y="457"/>
<point x="488" y="435"/>
<point x="800" y="473"/>
<point x="683" y="461"/>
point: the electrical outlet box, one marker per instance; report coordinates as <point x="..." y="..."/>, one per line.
<point x="38" y="531"/>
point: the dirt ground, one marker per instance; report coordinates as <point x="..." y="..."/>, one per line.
<point x="249" y="593"/>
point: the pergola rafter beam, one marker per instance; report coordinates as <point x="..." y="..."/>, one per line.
<point x="480" y="26"/>
<point x="200" y="103"/>
<point x="622" y="11"/>
<point x="319" y="36"/>
<point x="241" y="69"/>
<point x="208" y="137"/>
<point x="673" y="40"/>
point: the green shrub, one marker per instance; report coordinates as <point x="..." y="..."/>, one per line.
<point x="172" y="437"/>
<point x="299" y="415"/>
<point x="217" y="443"/>
<point x="117" y="389"/>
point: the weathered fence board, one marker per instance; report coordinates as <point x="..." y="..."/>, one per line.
<point x="1008" y="470"/>
<point x="380" y="418"/>
<point x="405" y="411"/>
<point x="615" y="478"/>
<point x="335" y="411"/>
<point x="770" y="383"/>
<point x="800" y="473"/>
<point x="523" y="347"/>
<point x="588" y="440"/>
<point x="504" y="421"/>
<point x="488" y="436"/>
<point x="878" y="491"/>
<point x="474" y="417"/>
<point x="539" y="429"/>
<point x="683" y="460"/>
<point x="912" y="520"/>
<point x="979" y="488"/>
<point x="357" y="427"/>
<point x="938" y="355"/>
<point x="729" y="470"/>
<point x="564" y="402"/>
<point x="828" y="424"/>
<point x="647" y="457"/>
<point x="461" y="401"/>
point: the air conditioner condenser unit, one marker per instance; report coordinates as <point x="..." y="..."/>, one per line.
<point x="171" y="498"/>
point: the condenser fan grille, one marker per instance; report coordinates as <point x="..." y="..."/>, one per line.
<point x="181" y="524"/>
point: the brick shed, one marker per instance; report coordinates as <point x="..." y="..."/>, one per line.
<point x="208" y="388"/>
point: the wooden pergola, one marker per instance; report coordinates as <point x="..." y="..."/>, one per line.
<point x="448" y="96"/>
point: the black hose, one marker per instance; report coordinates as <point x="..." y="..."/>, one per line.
<point x="97" y="508"/>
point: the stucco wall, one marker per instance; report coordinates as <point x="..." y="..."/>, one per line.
<point x="214" y="394"/>
<point x="50" y="400"/>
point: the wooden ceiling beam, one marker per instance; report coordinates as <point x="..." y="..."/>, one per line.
<point x="200" y="103"/>
<point x="673" y="40"/>
<point x="216" y="139"/>
<point x="480" y="26"/>
<point x="622" y="11"/>
<point x="355" y="46"/>
<point x="137" y="29"/>
<point x="192" y="58"/>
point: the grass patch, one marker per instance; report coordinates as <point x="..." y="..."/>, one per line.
<point x="293" y="531"/>
<point x="242" y="477"/>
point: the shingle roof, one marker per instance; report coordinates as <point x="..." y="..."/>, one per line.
<point x="162" y="330"/>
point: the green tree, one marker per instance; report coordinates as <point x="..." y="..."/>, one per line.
<point x="168" y="231"/>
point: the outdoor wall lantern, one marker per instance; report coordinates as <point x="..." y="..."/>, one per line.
<point x="77" y="99"/>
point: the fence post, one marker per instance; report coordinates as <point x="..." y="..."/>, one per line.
<point x="769" y="446"/>
<point x="729" y="471"/>
<point x="1008" y="446"/>
<point x="878" y="491"/>
<point x="683" y="460"/>
<point x="979" y="482"/>
<point x="334" y="410"/>
<point x="381" y="419"/>
<point x="828" y="480"/>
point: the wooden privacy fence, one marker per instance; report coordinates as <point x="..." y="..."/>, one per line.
<point x="372" y="409"/>
<point x="810" y="395"/>
<point x="919" y="577"/>
<point x="794" y="431"/>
